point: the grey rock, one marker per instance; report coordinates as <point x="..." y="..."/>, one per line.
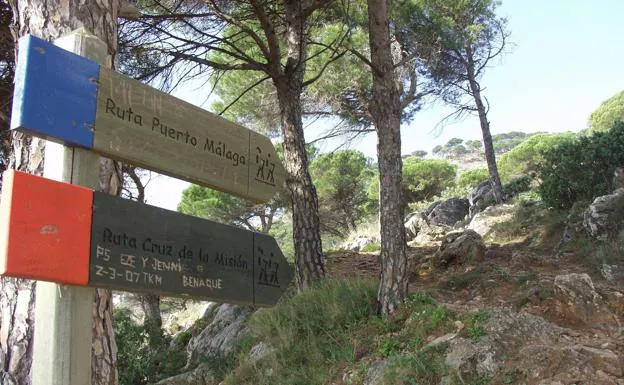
<point x="466" y="357"/>
<point x="484" y="222"/>
<point x="506" y="331"/>
<point x="604" y="359"/>
<point x="577" y="287"/>
<point x="199" y="376"/>
<point x="413" y="223"/>
<point x="437" y="219"/>
<point x="361" y="241"/>
<point x="441" y="340"/>
<point x="480" y="198"/>
<point x="226" y="328"/>
<point x="260" y="351"/>
<point x="578" y="297"/>
<point x="460" y="246"/>
<point x="612" y="273"/>
<point x="375" y="372"/>
<point x="446" y="213"/>
<point x="605" y="216"/>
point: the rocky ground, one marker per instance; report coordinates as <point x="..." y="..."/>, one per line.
<point x="549" y="292"/>
<point x="550" y="321"/>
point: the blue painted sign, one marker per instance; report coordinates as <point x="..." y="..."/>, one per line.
<point x="66" y="98"/>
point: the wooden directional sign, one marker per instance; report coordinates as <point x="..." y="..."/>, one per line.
<point x="58" y="232"/>
<point x="64" y="97"/>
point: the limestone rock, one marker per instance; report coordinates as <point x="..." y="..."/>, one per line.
<point x="579" y="300"/>
<point x="505" y="331"/>
<point x="199" y="376"/>
<point x="612" y="273"/>
<point x="460" y="246"/>
<point x="578" y="288"/>
<point x="361" y="241"/>
<point x="412" y="225"/>
<point x="605" y="216"/>
<point x="480" y="198"/>
<point x="375" y="372"/>
<point x="483" y="222"/>
<point x="436" y="219"/>
<point x="223" y="331"/>
<point x="466" y="357"/>
<point x="605" y="359"/>
<point x="260" y="351"/>
<point x="441" y="340"/>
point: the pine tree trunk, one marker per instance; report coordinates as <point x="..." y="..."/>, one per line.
<point x="490" y="155"/>
<point x="386" y="112"/>
<point x="17" y="300"/>
<point x="52" y="19"/>
<point x="104" y="363"/>
<point x="150" y="304"/>
<point x="310" y="264"/>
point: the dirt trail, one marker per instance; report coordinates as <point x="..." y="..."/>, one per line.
<point x="521" y="279"/>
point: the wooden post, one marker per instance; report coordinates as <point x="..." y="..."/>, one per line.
<point x="64" y="314"/>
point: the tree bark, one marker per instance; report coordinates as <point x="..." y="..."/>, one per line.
<point x="17" y="300"/>
<point x="310" y="264"/>
<point x="150" y="304"/>
<point x="386" y="112"/>
<point x="490" y="155"/>
<point x="104" y="363"/>
<point x="49" y="20"/>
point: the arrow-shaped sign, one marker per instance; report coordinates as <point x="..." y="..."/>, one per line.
<point x="59" y="232"/>
<point x="67" y="98"/>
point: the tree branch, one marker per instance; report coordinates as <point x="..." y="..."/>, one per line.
<point x="243" y="94"/>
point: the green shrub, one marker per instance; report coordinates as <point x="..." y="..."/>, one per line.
<point x="450" y="192"/>
<point x="472" y="178"/>
<point x="528" y="155"/>
<point x="475" y="324"/>
<point x="516" y="186"/>
<point x="421" y="367"/>
<point x="143" y="352"/>
<point x="310" y="332"/>
<point x="389" y="347"/>
<point x="370" y="247"/>
<point x="609" y="112"/>
<point x="581" y="169"/>
<point x="426" y="178"/>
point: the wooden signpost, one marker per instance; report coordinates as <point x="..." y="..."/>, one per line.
<point x="67" y="98"/>
<point x="63" y="233"/>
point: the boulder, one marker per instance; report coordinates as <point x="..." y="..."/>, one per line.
<point x="480" y="198"/>
<point x="446" y="213"/>
<point x="361" y="241"/>
<point x="505" y="332"/>
<point x="466" y="357"/>
<point x="259" y="351"/>
<point x="413" y="223"/>
<point x="437" y="219"/>
<point x="578" y="300"/>
<point x="577" y="288"/>
<point x="375" y="372"/>
<point x="460" y="246"/>
<point x="201" y="375"/>
<point x="612" y="273"/>
<point x="605" y="216"/>
<point x="483" y="222"/>
<point x="224" y="329"/>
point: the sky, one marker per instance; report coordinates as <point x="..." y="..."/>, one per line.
<point x="566" y="58"/>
